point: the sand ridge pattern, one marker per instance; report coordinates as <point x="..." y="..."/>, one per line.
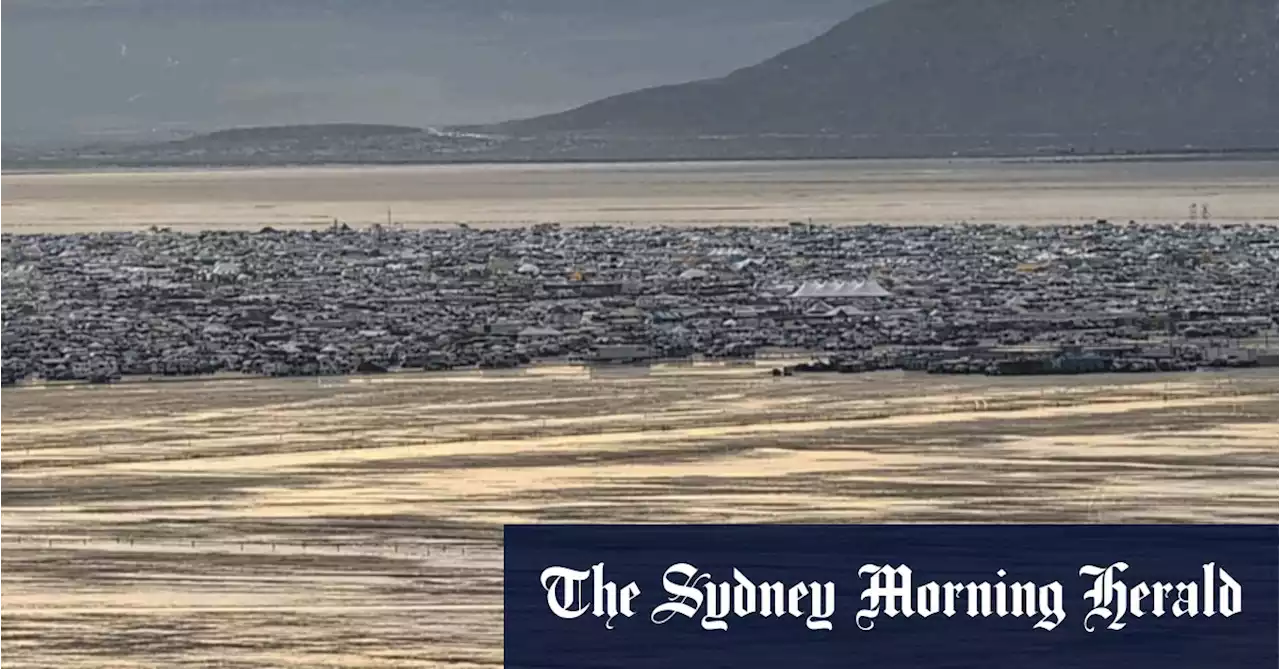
<point x="356" y="522"/>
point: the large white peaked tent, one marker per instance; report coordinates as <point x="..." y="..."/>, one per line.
<point x="834" y="289"/>
<point x="871" y="288"/>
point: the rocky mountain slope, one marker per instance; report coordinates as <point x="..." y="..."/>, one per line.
<point x="961" y="75"/>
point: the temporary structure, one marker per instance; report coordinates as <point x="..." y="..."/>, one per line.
<point x="836" y="289"/>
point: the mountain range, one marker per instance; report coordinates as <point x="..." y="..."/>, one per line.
<point x="1109" y="74"/>
<point x="901" y="78"/>
<point x="82" y="71"/>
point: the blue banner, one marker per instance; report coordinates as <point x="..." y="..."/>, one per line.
<point x="917" y="596"/>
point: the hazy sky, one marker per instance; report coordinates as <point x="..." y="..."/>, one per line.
<point x="79" y="69"/>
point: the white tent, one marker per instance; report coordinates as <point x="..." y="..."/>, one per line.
<point x="226" y="268"/>
<point x="836" y="289"/>
<point x="870" y="288"/>
<point x="819" y="309"/>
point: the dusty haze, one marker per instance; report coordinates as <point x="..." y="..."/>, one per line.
<point x="130" y="69"/>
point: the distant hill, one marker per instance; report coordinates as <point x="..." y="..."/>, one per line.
<point x="153" y="70"/>
<point x="309" y="133"/>
<point x="940" y="76"/>
<point x="905" y="78"/>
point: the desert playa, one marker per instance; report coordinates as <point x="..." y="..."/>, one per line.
<point x="356" y="522"/>
<point x="754" y="193"/>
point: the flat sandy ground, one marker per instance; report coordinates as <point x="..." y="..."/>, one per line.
<point x="357" y="522"/>
<point x="830" y="192"/>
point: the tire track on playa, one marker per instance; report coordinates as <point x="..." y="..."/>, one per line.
<point x="438" y="434"/>
<point x="280" y="410"/>
<point x="52" y="611"/>
<point x="282" y="462"/>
